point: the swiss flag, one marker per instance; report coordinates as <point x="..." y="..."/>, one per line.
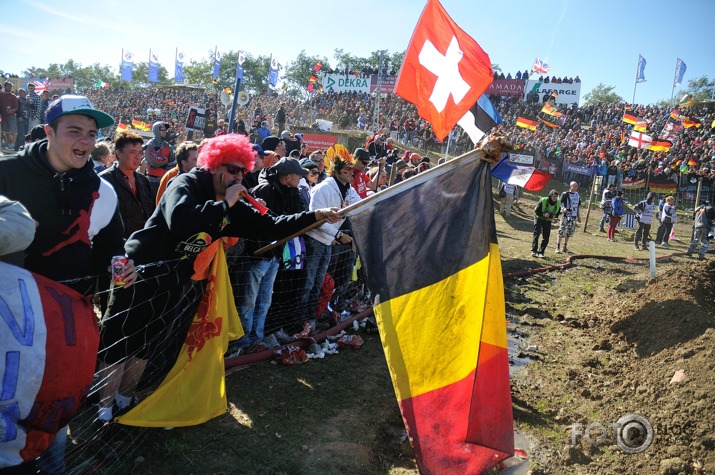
<point x="444" y="71"/>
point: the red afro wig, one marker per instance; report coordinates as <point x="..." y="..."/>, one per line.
<point x="230" y="148"/>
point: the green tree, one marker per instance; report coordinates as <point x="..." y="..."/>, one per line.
<point x="699" y="89"/>
<point x="602" y="94"/>
<point x="298" y="72"/>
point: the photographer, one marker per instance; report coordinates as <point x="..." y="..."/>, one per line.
<point x="571" y="209"/>
<point x="704" y="224"/>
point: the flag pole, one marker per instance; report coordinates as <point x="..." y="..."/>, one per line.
<point x="232" y="112"/>
<point x="176" y="58"/>
<point x="636" y="80"/>
<point x="672" y="92"/>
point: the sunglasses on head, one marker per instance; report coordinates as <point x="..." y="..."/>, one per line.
<point x="235" y="169"/>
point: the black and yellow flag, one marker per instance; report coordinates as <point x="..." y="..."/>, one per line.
<point x="432" y="263"/>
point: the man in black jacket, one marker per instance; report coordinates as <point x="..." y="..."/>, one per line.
<point x="149" y="322"/>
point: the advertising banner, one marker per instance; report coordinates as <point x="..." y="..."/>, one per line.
<point x="567" y="93"/>
<point x="578" y="169"/>
<point x="506" y="87"/>
<point x="319" y="141"/>
<point x="520" y="159"/>
<point x="387" y="83"/>
<point x="349" y="83"/>
<point x="196" y="120"/>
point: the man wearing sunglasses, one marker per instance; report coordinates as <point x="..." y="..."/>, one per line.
<point x="148" y="323"/>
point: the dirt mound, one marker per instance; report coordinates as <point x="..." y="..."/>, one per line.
<point x="608" y="345"/>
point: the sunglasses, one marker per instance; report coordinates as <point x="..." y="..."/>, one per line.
<point x="235" y="169"/>
<point x="314" y="172"/>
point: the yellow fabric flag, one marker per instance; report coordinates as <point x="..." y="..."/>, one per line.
<point x="194" y="391"/>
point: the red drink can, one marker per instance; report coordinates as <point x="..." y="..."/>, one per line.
<point x="119" y="263"/>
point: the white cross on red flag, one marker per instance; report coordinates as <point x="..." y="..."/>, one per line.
<point x="444" y="71"/>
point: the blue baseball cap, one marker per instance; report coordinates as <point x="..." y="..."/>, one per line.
<point x="259" y="150"/>
<point x="77" y="105"/>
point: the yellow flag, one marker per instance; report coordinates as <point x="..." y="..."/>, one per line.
<point x="194" y="391"/>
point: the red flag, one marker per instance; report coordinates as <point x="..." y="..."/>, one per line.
<point x="444" y="71"/>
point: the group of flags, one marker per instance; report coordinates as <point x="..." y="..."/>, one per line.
<point x="550" y="113"/>
<point x="664" y="141"/>
<point x="313" y="81"/>
<point x="680" y="68"/>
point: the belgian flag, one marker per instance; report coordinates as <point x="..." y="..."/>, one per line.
<point x="432" y="263"/>
<point x="526" y="123"/>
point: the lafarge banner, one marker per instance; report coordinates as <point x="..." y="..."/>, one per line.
<point x="349" y="83"/>
<point x="567" y="93"/>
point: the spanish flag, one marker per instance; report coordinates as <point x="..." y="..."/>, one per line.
<point x="439" y="303"/>
<point x="194" y="391"/>
<point x="660" y="145"/>
<point x="526" y="123"/>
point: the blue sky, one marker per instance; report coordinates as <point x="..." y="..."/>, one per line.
<point x="599" y="41"/>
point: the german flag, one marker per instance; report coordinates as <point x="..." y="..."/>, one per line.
<point x="440" y="311"/>
<point x="640" y="126"/>
<point x="526" y="123"/>
<point x="121" y="126"/>
<point x="138" y="124"/>
<point x="549" y="124"/>
<point x="629" y="118"/>
<point x="688" y="122"/>
<point x="660" y="145"/>
<point x="549" y="109"/>
<point x="669" y="187"/>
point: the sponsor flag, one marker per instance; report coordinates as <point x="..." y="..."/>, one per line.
<point x="443" y="331"/>
<point x="549" y="124"/>
<point x="660" y="145"/>
<point x="179" y="66"/>
<point x="679" y="72"/>
<point x="549" y="109"/>
<point x="153" y="75"/>
<point x="273" y="71"/>
<point x="49" y="338"/>
<point x="479" y="119"/>
<point x="639" y="140"/>
<point x="217" y="65"/>
<point x="526" y="123"/>
<point x="629" y="118"/>
<point x="444" y="71"/>
<point x="127" y="65"/>
<point x="540" y="67"/>
<point x="640" y="73"/>
<point x="100" y="84"/>
<point x="239" y="66"/>
<point x="528" y="178"/>
<point x="194" y="390"/>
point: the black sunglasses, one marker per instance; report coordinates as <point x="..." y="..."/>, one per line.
<point x="314" y="172"/>
<point x="235" y="169"/>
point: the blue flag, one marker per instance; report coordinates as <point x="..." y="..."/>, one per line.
<point x="679" y="72"/>
<point x="481" y="117"/>
<point x="640" y="75"/>
<point x="239" y="68"/>
<point x="273" y="71"/>
<point x="153" y="67"/>
<point x="127" y="65"/>
<point x="217" y="63"/>
<point x="179" y="67"/>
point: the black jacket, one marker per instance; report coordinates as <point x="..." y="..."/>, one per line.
<point x="79" y="229"/>
<point x="135" y="210"/>
<point x="189" y="218"/>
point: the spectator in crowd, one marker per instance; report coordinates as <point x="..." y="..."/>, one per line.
<point x="606" y="205"/>
<point x="506" y="195"/>
<point x="571" y="211"/>
<point x="136" y="200"/>
<point x="263" y="131"/>
<point x="200" y="207"/>
<point x="309" y="181"/>
<point x="8" y="108"/>
<point x="79" y="230"/>
<point x="335" y="192"/>
<point x="280" y="118"/>
<point x="34" y="102"/>
<point x="616" y="213"/>
<point x="667" y="219"/>
<point x="158" y="155"/>
<point x="102" y="157"/>
<point x="186" y="155"/>
<point x="545" y="212"/>
<point x="250" y="180"/>
<point x="704" y="229"/>
<point x="644" y="216"/>
<point x="22" y="118"/>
